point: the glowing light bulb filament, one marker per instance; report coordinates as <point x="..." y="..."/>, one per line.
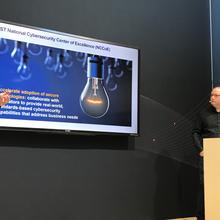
<point x="93" y="101"/>
<point x="95" y="86"/>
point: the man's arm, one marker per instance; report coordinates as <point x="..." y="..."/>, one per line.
<point x="197" y="136"/>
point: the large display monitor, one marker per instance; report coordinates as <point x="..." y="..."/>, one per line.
<point x="63" y="82"/>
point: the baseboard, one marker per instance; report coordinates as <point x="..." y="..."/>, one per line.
<point x="189" y="218"/>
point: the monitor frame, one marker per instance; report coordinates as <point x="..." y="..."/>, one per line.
<point x="79" y="131"/>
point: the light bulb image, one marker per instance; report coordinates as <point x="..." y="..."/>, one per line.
<point x="128" y="65"/>
<point x="110" y="80"/>
<point x="67" y="59"/>
<point x="84" y="62"/>
<point x="105" y="59"/>
<point x="34" y="49"/>
<point x="23" y="69"/>
<point x="17" y="52"/>
<point x="94" y="99"/>
<point x="59" y="67"/>
<point x="118" y="71"/>
<point x="3" y="46"/>
<point x="50" y="61"/>
<point x="80" y="56"/>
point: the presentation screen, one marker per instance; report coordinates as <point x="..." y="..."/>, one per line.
<point x="63" y="82"/>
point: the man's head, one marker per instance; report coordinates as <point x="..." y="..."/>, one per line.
<point x="215" y="98"/>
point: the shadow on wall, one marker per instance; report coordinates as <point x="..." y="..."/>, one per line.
<point x="164" y="131"/>
<point x="176" y="188"/>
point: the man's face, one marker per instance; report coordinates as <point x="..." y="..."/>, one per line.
<point x="215" y="97"/>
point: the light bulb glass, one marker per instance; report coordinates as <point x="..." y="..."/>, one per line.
<point x="118" y="71"/>
<point x="23" y="69"/>
<point x="50" y="61"/>
<point x="34" y="49"/>
<point x="17" y="52"/>
<point x="128" y="65"/>
<point x="84" y="62"/>
<point x="80" y="56"/>
<point x="110" y="80"/>
<point x="94" y="99"/>
<point x="59" y="67"/>
<point x="3" y="46"/>
<point x="67" y="59"/>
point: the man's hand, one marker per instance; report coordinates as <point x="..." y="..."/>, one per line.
<point x="4" y="98"/>
<point x="201" y="154"/>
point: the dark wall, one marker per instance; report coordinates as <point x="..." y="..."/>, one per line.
<point x="54" y="176"/>
<point x="215" y="27"/>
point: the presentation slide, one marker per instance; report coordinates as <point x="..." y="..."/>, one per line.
<point x="60" y="81"/>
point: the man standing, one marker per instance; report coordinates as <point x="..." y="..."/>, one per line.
<point x="206" y="126"/>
